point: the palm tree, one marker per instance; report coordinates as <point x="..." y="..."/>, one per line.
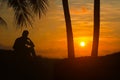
<point x="70" y="42"/>
<point x="96" y="28"/>
<point x="24" y="10"/>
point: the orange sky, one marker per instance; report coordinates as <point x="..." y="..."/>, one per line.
<point x="49" y="33"/>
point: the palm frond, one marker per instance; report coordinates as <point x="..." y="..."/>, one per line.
<point x="23" y="15"/>
<point x="24" y="10"/>
<point x="39" y="6"/>
<point x="3" y="22"/>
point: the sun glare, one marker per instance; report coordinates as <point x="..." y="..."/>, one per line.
<point x="82" y="44"/>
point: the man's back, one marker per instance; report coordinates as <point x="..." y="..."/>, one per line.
<point x="19" y="45"/>
<point x="23" y="46"/>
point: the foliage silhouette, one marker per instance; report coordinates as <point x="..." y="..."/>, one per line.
<point x="24" y="10"/>
<point x="3" y="22"/>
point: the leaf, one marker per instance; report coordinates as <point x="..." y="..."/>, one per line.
<point x="39" y="6"/>
<point x="24" y="10"/>
<point x="23" y="15"/>
<point x="3" y="22"/>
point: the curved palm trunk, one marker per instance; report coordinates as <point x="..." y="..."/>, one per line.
<point x="96" y="28"/>
<point x="70" y="42"/>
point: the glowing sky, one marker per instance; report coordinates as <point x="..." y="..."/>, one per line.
<point x="49" y="33"/>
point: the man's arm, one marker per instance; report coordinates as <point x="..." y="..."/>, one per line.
<point x="31" y="43"/>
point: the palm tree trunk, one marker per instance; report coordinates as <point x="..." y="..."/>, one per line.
<point x="70" y="42"/>
<point x="96" y="28"/>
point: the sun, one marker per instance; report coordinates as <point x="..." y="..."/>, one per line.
<point x="82" y="44"/>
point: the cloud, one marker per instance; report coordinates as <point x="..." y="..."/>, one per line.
<point x="84" y="10"/>
<point x="81" y="10"/>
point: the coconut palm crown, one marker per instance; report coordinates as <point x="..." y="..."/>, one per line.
<point x="24" y="10"/>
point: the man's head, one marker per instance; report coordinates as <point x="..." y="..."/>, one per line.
<point x="25" y="33"/>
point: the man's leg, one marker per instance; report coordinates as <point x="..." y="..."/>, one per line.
<point x="33" y="52"/>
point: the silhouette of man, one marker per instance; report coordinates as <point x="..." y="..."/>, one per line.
<point x="23" y="46"/>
